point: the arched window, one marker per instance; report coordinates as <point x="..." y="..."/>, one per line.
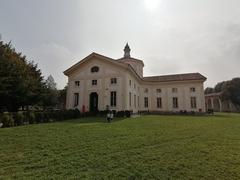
<point x="94" y="69"/>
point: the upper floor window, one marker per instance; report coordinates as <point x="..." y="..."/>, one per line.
<point x="113" y="80"/>
<point x="159" y="90"/>
<point x="130" y="82"/>
<point x="94" y="69"/>
<point x="134" y="86"/>
<point x="94" y="82"/>
<point x="192" y="89"/>
<point x="174" y="90"/>
<point x="77" y="83"/>
<point x="146" y="90"/>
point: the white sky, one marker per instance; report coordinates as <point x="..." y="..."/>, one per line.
<point x="170" y="36"/>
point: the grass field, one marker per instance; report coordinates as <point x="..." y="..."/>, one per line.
<point x="147" y="147"/>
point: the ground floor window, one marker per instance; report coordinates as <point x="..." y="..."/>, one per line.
<point x="113" y="99"/>
<point x="159" y="102"/>
<point x="146" y="102"/>
<point x="193" y="102"/>
<point x="130" y="99"/>
<point x="175" y="102"/>
<point x="138" y="102"/>
<point x="76" y="99"/>
<point x="135" y="104"/>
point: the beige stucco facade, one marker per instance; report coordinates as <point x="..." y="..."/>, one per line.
<point x="131" y="88"/>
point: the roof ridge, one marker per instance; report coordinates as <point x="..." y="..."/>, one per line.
<point x="173" y="74"/>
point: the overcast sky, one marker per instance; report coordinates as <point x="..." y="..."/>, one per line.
<point x="170" y="36"/>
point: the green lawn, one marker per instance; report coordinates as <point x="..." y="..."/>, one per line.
<point x="148" y="147"/>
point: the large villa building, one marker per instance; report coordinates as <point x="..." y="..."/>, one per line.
<point x="98" y="82"/>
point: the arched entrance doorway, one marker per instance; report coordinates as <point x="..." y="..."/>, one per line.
<point x="93" y="102"/>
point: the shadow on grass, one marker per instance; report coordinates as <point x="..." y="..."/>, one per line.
<point x="95" y="119"/>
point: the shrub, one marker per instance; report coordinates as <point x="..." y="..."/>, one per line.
<point x="46" y="117"/>
<point x="18" y="118"/>
<point x="192" y="112"/>
<point x="120" y="114"/>
<point x="31" y="117"/>
<point x="39" y="116"/>
<point x="103" y="113"/>
<point x="77" y="113"/>
<point x="7" y="120"/>
<point x="128" y="113"/>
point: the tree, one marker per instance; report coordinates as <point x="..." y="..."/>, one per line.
<point x="62" y="98"/>
<point x="231" y="91"/>
<point x="219" y="86"/>
<point x="209" y="90"/>
<point x="51" y="83"/>
<point x="50" y="93"/>
<point x="21" y="81"/>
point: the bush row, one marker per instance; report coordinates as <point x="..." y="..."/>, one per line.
<point x="8" y="119"/>
<point x="116" y="113"/>
<point x="30" y="117"/>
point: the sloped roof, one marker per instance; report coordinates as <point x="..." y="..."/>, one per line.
<point x="164" y="78"/>
<point x="213" y="94"/>
<point x="175" y="77"/>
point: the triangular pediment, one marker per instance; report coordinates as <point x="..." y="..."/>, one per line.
<point x="91" y="57"/>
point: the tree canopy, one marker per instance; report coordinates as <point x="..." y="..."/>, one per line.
<point x="21" y="81"/>
<point x="230" y="90"/>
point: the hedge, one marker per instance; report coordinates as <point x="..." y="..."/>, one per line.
<point x="8" y="119"/>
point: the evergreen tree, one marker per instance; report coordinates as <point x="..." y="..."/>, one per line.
<point x="21" y="81"/>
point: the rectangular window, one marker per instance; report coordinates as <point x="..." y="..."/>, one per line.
<point x="130" y="99"/>
<point x="174" y="90"/>
<point x="76" y="99"/>
<point x="159" y="90"/>
<point x="113" y="80"/>
<point x="192" y="89"/>
<point x="134" y="86"/>
<point x="193" y="102"/>
<point x="130" y="82"/>
<point x="138" y="102"/>
<point x="135" y="104"/>
<point x="94" y="82"/>
<point x="146" y="90"/>
<point x="77" y="83"/>
<point x="175" y="102"/>
<point x="113" y="100"/>
<point x="146" y="102"/>
<point x="159" y="102"/>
